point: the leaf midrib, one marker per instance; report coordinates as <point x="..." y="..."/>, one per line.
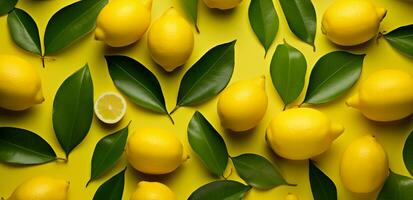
<point x="317" y="177"/>
<point x="27" y="149"/>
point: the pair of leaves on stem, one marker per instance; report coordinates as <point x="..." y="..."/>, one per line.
<point x="402" y="39"/>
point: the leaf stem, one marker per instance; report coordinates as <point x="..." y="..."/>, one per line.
<point x="87" y="184"/>
<point x="197" y="28"/>
<point x="62" y="159"/>
<point x="285" y="107"/>
<point x="42" y="58"/>
<point x="314" y="48"/>
<point x="175" y="109"/>
<point x="230" y="173"/>
<point x="379" y="36"/>
<point x="170" y="117"/>
<point x="291" y="185"/>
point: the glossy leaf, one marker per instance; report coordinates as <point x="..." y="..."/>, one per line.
<point x="107" y="152"/>
<point x="258" y="172"/>
<point x="19" y="146"/>
<point x="332" y="76"/>
<point x="264" y="21"/>
<point x="70" y="24"/>
<point x="6" y="6"/>
<point x="221" y="190"/>
<point x="321" y="186"/>
<point x="302" y="19"/>
<point x="408" y="153"/>
<point x="208" y="144"/>
<point x="191" y="9"/>
<point x="396" y="187"/>
<point x="73" y="109"/>
<point x="112" y="189"/>
<point x="402" y="39"/>
<point x="288" y="68"/>
<point x="24" y="31"/>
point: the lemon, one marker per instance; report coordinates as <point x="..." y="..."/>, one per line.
<point x="170" y="40"/>
<point x="110" y="107"/>
<point x="41" y="188"/>
<point x="152" y="191"/>
<point x="222" y="4"/>
<point x="385" y="95"/>
<point x="123" y="22"/>
<point x="20" y="84"/>
<point x="301" y="133"/>
<point x="243" y="104"/>
<point x="155" y="151"/>
<point x="291" y="197"/>
<point x="364" y="166"/>
<point x="352" y="22"/>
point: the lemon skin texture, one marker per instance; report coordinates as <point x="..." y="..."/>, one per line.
<point x="152" y="191"/>
<point x="352" y="22"/>
<point x="171" y="40"/>
<point x="155" y="151"/>
<point x="385" y="95"/>
<point x="364" y="166"/>
<point x="123" y="22"/>
<point x="222" y="4"/>
<point x="20" y="84"/>
<point x="301" y="133"/>
<point x="41" y="188"/>
<point x="243" y="104"/>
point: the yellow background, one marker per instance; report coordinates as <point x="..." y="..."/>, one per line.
<point x="216" y="28"/>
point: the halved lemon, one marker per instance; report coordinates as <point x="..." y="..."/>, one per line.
<point x="110" y="107"/>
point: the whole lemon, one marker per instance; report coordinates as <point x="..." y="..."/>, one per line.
<point x="123" y="22"/>
<point x="301" y="133"/>
<point x="20" y="84"/>
<point x="385" y="95"/>
<point x="171" y="40"/>
<point x="364" y="166"/>
<point x="41" y="188"/>
<point x="155" y="151"/>
<point x="152" y="191"/>
<point x="242" y="105"/>
<point x="222" y="4"/>
<point x="352" y="22"/>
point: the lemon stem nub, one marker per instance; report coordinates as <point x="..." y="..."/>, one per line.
<point x="353" y="101"/>
<point x="336" y="130"/>
<point x="99" y="34"/>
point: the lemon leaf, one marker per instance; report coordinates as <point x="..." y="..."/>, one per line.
<point x="396" y="187"/>
<point x="6" y="6"/>
<point x="191" y="8"/>
<point x="19" y="146"/>
<point x="321" y="186"/>
<point x="408" y="153"/>
<point x="222" y="190"/>
<point x="402" y="39"/>
<point x="112" y="189"/>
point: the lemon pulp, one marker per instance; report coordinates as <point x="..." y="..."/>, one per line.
<point x="110" y="107"/>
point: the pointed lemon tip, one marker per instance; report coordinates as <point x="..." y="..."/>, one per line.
<point x="336" y="130"/>
<point x="381" y="13"/>
<point x="353" y="101"/>
<point x="99" y="34"/>
<point x="185" y="156"/>
<point x="39" y="97"/>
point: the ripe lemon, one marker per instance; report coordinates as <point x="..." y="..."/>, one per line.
<point x="110" y="107"/>
<point x="123" y="22"/>
<point x="222" y="4"/>
<point x="364" y="166"/>
<point x="20" y="84"/>
<point x="242" y="105"/>
<point x="291" y="197"/>
<point x="155" y="151"/>
<point x="352" y="22"/>
<point x="171" y="40"/>
<point x="41" y="188"/>
<point x="301" y="133"/>
<point x="385" y="95"/>
<point x="152" y="191"/>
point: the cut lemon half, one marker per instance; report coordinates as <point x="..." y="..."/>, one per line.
<point x="110" y="107"/>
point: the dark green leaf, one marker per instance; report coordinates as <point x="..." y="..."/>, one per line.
<point x="408" y="153"/>
<point x="332" y="76"/>
<point x="301" y="18"/>
<point x="288" y="68"/>
<point x="264" y="21"/>
<point x="73" y="109"/>
<point x="111" y="189"/>
<point x="220" y="190"/>
<point x="19" y="146"/>
<point x="70" y="24"/>
<point x="208" y="144"/>
<point x="191" y="8"/>
<point x="258" y="172"/>
<point x="6" y="6"/>
<point x="321" y="186"/>
<point x="402" y="39"/>
<point x="24" y="31"/>
<point x="396" y="187"/>
<point x="107" y="152"/>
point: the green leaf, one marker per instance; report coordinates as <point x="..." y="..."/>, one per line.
<point x="24" y="31"/>
<point x="408" y="153"/>
<point x="258" y="172"/>
<point x="332" y="76"/>
<point x="191" y="9"/>
<point x="301" y="18"/>
<point x="264" y="21"/>
<point x="402" y="39"/>
<point x="107" y="152"/>
<point x="19" y="146"/>
<point x="208" y="144"/>
<point x="288" y="68"/>
<point x="321" y="186"/>
<point x="396" y="187"/>
<point x="111" y="189"/>
<point x="73" y="109"/>
<point x="221" y="190"/>
<point x="70" y="24"/>
<point x="208" y="76"/>
<point x="6" y="6"/>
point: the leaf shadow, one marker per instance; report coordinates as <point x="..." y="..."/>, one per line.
<point x="12" y="116"/>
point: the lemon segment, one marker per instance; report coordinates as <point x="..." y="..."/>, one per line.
<point x="110" y="107"/>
